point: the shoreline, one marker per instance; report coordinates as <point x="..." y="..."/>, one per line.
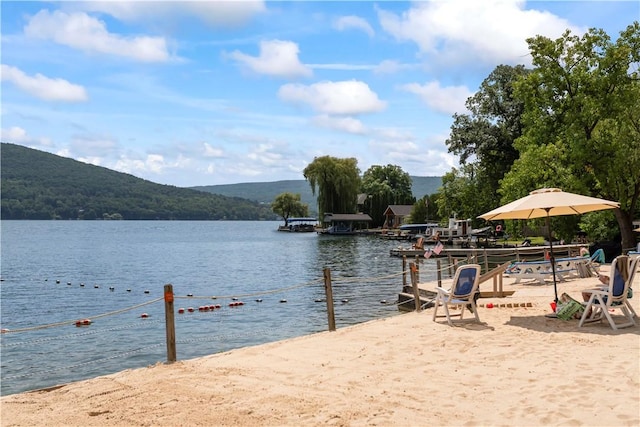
<point x="517" y="367"/>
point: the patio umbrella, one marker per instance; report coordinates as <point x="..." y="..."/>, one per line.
<point x="547" y="202"/>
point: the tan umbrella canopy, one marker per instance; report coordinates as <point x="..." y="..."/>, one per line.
<point x="547" y="202"/>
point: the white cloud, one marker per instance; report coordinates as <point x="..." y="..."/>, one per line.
<point x="491" y="31"/>
<point x="345" y="124"/>
<point x="343" y="98"/>
<point x="81" y="31"/>
<point x="210" y="151"/>
<point x="18" y="135"/>
<point x="44" y="87"/>
<point x="152" y="163"/>
<point x="348" y="22"/>
<point x="15" y="134"/>
<point x="277" y="58"/>
<point x="387" y="67"/>
<point x="214" y="13"/>
<point x="265" y="155"/>
<point x="446" y="100"/>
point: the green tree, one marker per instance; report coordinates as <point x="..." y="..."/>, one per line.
<point x="484" y="138"/>
<point x="288" y="205"/>
<point x="385" y="185"/>
<point x="419" y="211"/>
<point x="582" y="121"/>
<point x="459" y="194"/>
<point x="337" y="181"/>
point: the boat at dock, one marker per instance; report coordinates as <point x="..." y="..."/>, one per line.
<point x="345" y="224"/>
<point x="299" y="225"/>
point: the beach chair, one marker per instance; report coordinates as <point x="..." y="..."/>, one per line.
<point x="419" y="243"/>
<point x="590" y="267"/>
<point x="462" y="292"/>
<point x="634" y="264"/>
<point x="604" y="300"/>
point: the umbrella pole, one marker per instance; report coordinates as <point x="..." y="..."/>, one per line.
<point x="552" y="259"/>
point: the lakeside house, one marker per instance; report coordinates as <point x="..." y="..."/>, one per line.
<point x="396" y="214"/>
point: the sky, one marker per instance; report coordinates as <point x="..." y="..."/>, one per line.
<point x="222" y="92"/>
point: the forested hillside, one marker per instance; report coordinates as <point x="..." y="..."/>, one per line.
<point x="40" y="185"/>
<point x="266" y="192"/>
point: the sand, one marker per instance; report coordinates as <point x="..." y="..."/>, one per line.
<point x="516" y="368"/>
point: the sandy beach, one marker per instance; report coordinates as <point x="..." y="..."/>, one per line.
<point x="517" y="368"/>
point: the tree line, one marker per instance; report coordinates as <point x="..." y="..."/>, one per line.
<point x="571" y="121"/>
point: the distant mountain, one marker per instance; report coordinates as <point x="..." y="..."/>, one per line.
<point x="266" y="192"/>
<point x="39" y="185"/>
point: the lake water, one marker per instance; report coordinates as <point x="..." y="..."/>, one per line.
<point x="61" y="271"/>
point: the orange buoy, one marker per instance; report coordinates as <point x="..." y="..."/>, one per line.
<point x="181" y="310"/>
<point x="4" y="330"/>
<point x="144" y="315"/>
<point x="212" y="307"/>
<point x="83" y="322"/>
<point x="190" y="309"/>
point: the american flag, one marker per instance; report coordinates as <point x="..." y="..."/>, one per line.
<point x="438" y="248"/>
<point x="427" y="253"/>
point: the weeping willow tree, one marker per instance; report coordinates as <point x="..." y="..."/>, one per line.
<point x="337" y="182"/>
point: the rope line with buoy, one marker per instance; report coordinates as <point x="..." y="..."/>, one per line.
<point x="73" y="322"/>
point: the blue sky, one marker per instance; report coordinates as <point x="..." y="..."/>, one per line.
<point x="204" y="93"/>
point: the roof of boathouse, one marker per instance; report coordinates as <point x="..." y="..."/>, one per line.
<point x="328" y="217"/>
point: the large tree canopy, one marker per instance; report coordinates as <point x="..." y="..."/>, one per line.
<point x="484" y="139"/>
<point x="582" y="121"/>
<point x="385" y="185"/>
<point x="337" y="181"/>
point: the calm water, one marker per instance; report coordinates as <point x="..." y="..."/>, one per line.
<point x="55" y="271"/>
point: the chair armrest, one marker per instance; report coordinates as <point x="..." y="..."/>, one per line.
<point x="601" y="291"/>
<point x="443" y="291"/>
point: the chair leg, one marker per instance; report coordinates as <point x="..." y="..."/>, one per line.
<point x="609" y="318"/>
<point x="633" y="312"/>
<point x="590" y="312"/>
<point x="628" y="316"/>
<point x="445" y="306"/>
<point x="436" y="304"/>
<point x="475" y="310"/>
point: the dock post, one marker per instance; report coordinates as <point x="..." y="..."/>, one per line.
<point x="486" y="261"/>
<point x="329" y="293"/>
<point x="170" y="323"/>
<point x="439" y="273"/>
<point x="404" y="271"/>
<point x="414" y="284"/>
<point x="417" y="268"/>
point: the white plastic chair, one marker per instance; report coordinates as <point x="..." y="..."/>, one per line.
<point x="462" y="292"/>
<point x="612" y="297"/>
